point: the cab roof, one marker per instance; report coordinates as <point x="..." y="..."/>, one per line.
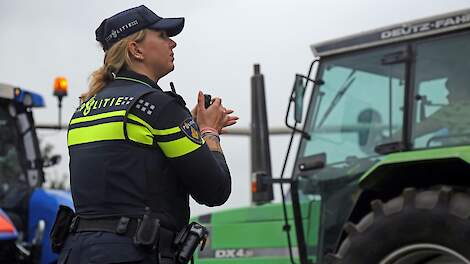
<point x="21" y="96"/>
<point x="395" y="33"/>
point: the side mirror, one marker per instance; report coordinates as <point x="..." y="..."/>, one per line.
<point x="51" y="161"/>
<point x="299" y="92"/>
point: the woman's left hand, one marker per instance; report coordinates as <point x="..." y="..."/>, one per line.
<point x="229" y="120"/>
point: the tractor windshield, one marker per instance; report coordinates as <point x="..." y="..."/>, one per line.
<point x="10" y="166"/>
<point x="359" y="106"/>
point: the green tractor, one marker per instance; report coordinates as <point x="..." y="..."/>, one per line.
<point x="382" y="172"/>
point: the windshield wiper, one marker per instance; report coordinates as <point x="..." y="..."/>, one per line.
<point x="344" y="87"/>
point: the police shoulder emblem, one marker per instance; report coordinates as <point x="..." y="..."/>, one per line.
<point x="191" y="130"/>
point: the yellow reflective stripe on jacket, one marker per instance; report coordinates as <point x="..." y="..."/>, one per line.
<point x="106" y="131"/>
<point x="142" y="122"/>
<point x="114" y="131"/>
<point x="158" y="132"/>
<point x="179" y="147"/>
<point x="139" y="134"/>
<point x="109" y="131"/>
<point x="168" y="131"/>
<point x="97" y="117"/>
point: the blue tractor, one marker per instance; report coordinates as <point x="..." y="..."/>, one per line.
<point x="27" y="210"/>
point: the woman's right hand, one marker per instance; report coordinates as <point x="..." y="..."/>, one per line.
<point x="213" y="117"/>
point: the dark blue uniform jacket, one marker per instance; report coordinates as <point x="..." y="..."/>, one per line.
<point x="134" y="147"/>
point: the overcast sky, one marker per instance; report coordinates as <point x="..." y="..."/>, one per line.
<point x="216" y="50"/>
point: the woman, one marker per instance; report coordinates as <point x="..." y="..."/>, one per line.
<point x="136" y="153"/>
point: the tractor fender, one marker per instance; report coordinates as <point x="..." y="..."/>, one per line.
<point x="414" y="169"/>
<point x="419" y="168"/>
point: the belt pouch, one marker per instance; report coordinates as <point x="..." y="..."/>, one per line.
<point x="147" y="231"/>
<point x="61" y="228"/>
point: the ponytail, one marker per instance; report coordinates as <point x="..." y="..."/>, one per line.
<point x="115" y="59"/>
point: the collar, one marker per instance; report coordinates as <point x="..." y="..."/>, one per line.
<point x="124" y="73"/>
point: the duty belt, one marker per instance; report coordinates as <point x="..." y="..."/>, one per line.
<point x="123" y="226"/>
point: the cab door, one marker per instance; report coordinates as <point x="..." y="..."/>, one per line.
<point x="359" y="107"/>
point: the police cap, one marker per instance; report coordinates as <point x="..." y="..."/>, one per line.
<point x="132" y="20"/>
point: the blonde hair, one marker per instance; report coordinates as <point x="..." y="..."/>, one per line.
<point x="115" y="59"/>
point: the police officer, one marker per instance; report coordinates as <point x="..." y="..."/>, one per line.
<point x="136" y="152"/>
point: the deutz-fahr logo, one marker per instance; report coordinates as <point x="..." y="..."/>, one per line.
<point x="424" y="27"/>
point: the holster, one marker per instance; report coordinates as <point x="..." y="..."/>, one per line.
<point x="147" y="233"/>
<point x="187" y="241"/>
<point x="61" y="228"/>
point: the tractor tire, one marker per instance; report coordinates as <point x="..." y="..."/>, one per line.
<point x="418" y="227"/>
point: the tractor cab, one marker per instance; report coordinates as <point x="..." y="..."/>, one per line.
<point x="30" y="208"/>
<point x="21" y="166"/>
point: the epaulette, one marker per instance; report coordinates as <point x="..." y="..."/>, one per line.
<point x="178" y="97"/>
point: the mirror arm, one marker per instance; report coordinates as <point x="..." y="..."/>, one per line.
<point x="304" y="134"/>
<point x="268" y="180"/>
<point x="316" y="82"/>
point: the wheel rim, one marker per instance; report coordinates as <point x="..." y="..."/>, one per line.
<point x="425" y="254"/>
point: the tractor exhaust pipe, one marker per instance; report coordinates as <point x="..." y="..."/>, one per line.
<point x="260" y="152"/>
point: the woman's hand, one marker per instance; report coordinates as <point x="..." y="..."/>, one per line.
<point x="229" y="120"/>
<point x="215" y="116"/>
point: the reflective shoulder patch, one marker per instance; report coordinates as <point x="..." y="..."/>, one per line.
<point x="191" y="130"/>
